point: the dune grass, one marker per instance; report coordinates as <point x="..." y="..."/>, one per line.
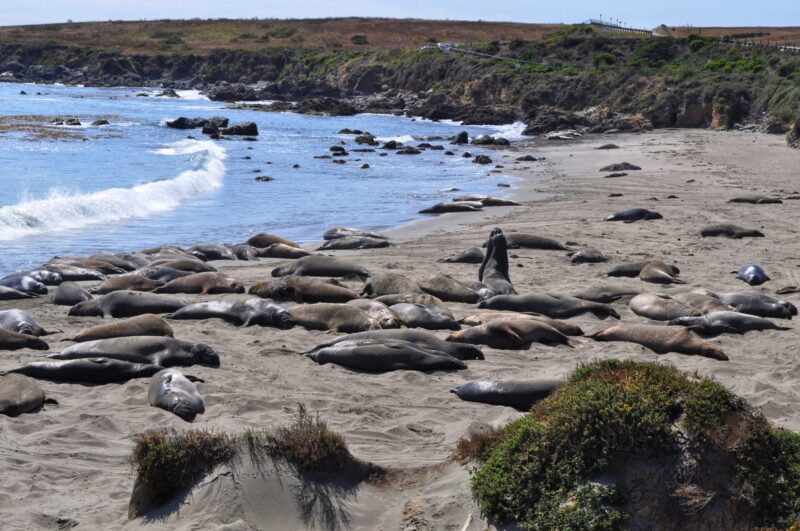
<point x="571" y="461"/>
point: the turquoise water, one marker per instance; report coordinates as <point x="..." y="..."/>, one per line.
<point x="136" y="183"/>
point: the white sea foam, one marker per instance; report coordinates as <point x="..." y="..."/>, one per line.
<point x="62" y="211"/>
<point x="191" y="95"/>
<point x="405" y="139"/>
<point x="510" y="131"/>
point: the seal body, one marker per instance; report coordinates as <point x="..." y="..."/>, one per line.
<point x="126" y="282"/>
<point x="336" y="317"/>
<point x="93" y="370"/>
<point x="730" y="231"/>
<point x="388" y="283"/>
<point x="385" y="355"/>
<point x="163" y="351"/>
<point x="142" y="325"/>
<point x="662" y="339"/>
<point x="461" y="351"/>
<point x="755" y="304"/>
<point x="753" y="274"/>
<point x="587" y="256"/>
<point x="472" y="255"/>
<point x="265" y="240"/>
<point x="448" y="289"/>
<point x="11" y="294"/>
<point x="493" y="274"/>
<point x="355" y="242"/>
<point x="521" y="395"/>
<point x="347" y="232"/>
<point x="726" y="322"/>
<point x="632" y="269"/>
<point x="419" y="316"/>
<point x="192" y="265"/>
<point x="320" y="266"/>
<point x="486" y="317"/>
<point x="126" y="304"/>
<point x="213" y="251"/>
<point x="13" y="341"/>
<point x="517" y="240"/>
<point x="634" y="214"/>
<point x="171" y="391"/>
<point x="660" y="307"/>
<point x="302" y="289"/>
<point x="204" y="283"/>
<point x="606" y="294"/>
<point x="21" y="322"/>
<point x="24" y="283"/>
<point x="510" y="334"/>
<point x="555" y="306"/>
<point x="70" y="294"/>
<point x="281" y="250"/>
<point x="658" y="272"/>
<point x="378" y="311"/>
<point x="241" y="313"/>
<point x="19" y="394"/>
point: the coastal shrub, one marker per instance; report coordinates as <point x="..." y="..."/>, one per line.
<point x="572" y="461"/>
<point x="786" y="69"/>
<point x="604" y="59"/>
<point x="282" y="32"/>
<point x="359" y="40"/>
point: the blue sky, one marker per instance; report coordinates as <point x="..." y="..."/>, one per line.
<point x="641" y="13"/>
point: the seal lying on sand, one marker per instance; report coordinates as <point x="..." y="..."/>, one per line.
<point x="448" y="289"/>
<point x="190" y="265"/>
<point x="754" y="303"/>
<point x="493" y="274"/>
<point x="163" y="273"/>
<point x="212" y="251"/>
<point x="632" y="269"/>
<point x="163" y="351"/>
<point x="472" y="255"/>
<point x="660" y="307"/>
<point x="753" y="274"/>
<point x="587" y="256"/>
<point x="378" y="311"/>
<point x="516" y="240"/>
<point x="662" y="339"/>
<point x="320" y="266"/>
<point x="346" y="232"/>
<point x="419" y="316"/>
<point x="302" y="289"/>
<point x="634" y="214"/>
<point x="730" y="231"/>
<point x="172" y="391"/>
<point x="70" y="294"/>
<point x="388" y="283"/>
<point x="336" y="317"/>
<point x="354" y="242"/>
<point x="606" y="294"/>
<point x="203" y="283"/>
<point x="21" y="322"/>
<point x="727" y="323"/>
<point x="521" y="395"/>
<point x="555" y="306"/>
<point x="126" y="282"/>
<point x="703" y="303"/>
<point x="427" y="340"/>
<point x="460" y="206"/>
<point x="73" y="273"/>
<point x="480" y="318"/>
<point x="244" y="252"/>
<point x="142" y="325"/>
<point x="379" y="355"/>
<point x="241" y="313"/>
<point x="11" y="294"/>
<point x="13" y="341"/>
<point x="96" y="370"/>
<point x="756" y="200"/>
<point x="265" y="240"/>
<point x="24" y="283"/>
<point x="658" y="272"/>
<point x="281" y="250"/>
<point x="513" y="335"/>
<point x="126" y="304"/>
<point x="19" y="394"/>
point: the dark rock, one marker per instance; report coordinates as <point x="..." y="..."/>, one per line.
<point x="449" y="153"/>
<point x="168" y="93"/>
<point x="336" y="149"/>
<point x="391" y="144"/>
<point x="615" y="174"/>
<point x="622" y="166"/>
<point x="264" y="179"/>
<point x="340" y="161"/>
<point x="608" y="146"/>
<point x="325" y="105"/>
<point x="364" y="166"/>
<point x="100" y="122"/>
<point x="461" y="138"/>
<point x="527" y="158"/>
<point x="245" y="129"/>
<point x="408" y="150"/>
<point x="72" y="121"/>
<point x="482" y="159"/>
<point x="467" y="155"/>
<point x="181" y="123"/>
<point x="366" y="138"/>
<point x="346" y="131"/>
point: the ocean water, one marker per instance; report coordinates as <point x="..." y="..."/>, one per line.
<point x="136" y="183"/>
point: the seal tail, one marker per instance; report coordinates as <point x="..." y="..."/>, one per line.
<point x="602" y="311"/>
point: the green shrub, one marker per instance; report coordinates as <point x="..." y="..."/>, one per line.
<point x="604" y="59"/>
<point x="359" y="40"/>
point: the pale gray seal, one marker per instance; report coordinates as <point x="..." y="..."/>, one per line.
<point x="378" y="311"/>
<point x="163" y="273"/>
<point x="13" y="341"/>
<point x="660" y="307"/>
<point x="730" y="231"/>
<point x="632" y="269"/>
<point x="658" y="272"/>
<point x="335" y="317"/>
<point x="380" y="355"/>
<point x="116" y="261"/>
<point x="754" y="303"/>
<point x="172" y="391"/>
<point x="163" y="351"/>
<point x="587" y="256"/>
<point x="477" y="319"/>
<point x="241" y="313"/>
<point x="662" y="339"/>
<point x="493" y="274"/>
<point x="508" y="334"/>
<point x="11" y="294"/>
<point x="354" y="242"/>
<point x="126" y="282"/>
<point x="70" y="294"/>
<point x="444" y="208"/>
<point x="213" y="251"/>
<point x="126" y="304"/>
<point x="191" y="265"/>
<point x="606" y="294"/>
<point x="448" y="289"/>
<point x="726" y="322"/>
<point x="19" y="394"/>
<point x="203" y="283"/>
<point x="753" y="274"/>
<point x="48" y="278"/>
<point x="320" y="266"/>
<point x="142" y="325"/>
<point x="756" y="200"/>
<point x="302" y="289"/>
<point x="702" y="302"/>
<point x="281" y="250"/>
<point x="521" y="395"/>
<point x="419" y="316"/>
<point x="74" y="274"/>
<point x="21" y="322"/>
<point x="516" y="240"/>
<point x="427" y="340"/>
<point x="472" y="255"/>
<point x="22" y="282"/>
<point x="265" y="240"/>
<point x="555" y="306"/>
<point x="346" y="232"/>
<point x="634" y="214"/>
<point x="388" y="283"/>
<point x="96" y="370"/>
<point x="244" y="252"/>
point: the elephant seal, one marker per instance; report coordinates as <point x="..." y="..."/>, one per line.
<point x="213" y="251"/>
<point x="161" y="273"/>
<point x="126" y="304"/>
<point x="265" y="240"/>
<point x="11" y="294"/>
<point x="753" y="274"/>
<point x="606" y="294"/>
<point x="73" y="273"/>
<point x="138" y="259"/>
<point x="116" y="261"/>
<point x="302" y="289"/>
<point x="434" y="304"/>
<point x="13" y="341"/>
<point x="335" y="317"/>
<point x="419" y="316"/>
<point x="730" y="231"/>
<point x="427" y="340"/>
<point x="481" y="318"/>
<point x="70" y="294"/>
<point x="142" y="325"/>
<point x="48" y="278"/>
<point x="493" y="274"/>
<point x="281" y="250"/>
<point x="387" y="283"/>
<point x="19" y="394"/>
<point x="555" y="306"/>
<point x="660" y="307"/>
<point x="153" y="251"/>
<point x="203" y="283"/>
<point x="658" y="272"/>
<point x="662" y="339"/>
<point x="354" y="242"/>
<point x="460" y="206"/>
<point x="347" y="232"/>
<point x="472" y="255"/>
<point x="587" y="256"/>
<point x="245" y="252"/>
<point x="101" y="266"/>
<point x="726" y="322"/>
<point x="24" y="283"/>
<point x="754" y="303"/>
<point x="702" y="303"/>
<point x="632" y="269"/>
<point x="21" y="322"/>
<point x="520" y="395"/>
<point x="126" y="282"/>
<point x="241" y="313"/>
<point x="171" y="391"/>
<point x="380" y="355"/>
<point x="448" y="289"/>
<point x="634" y="214"/>
<point x="756" y="200"/>
<point x="378" y="311"/>
<point x="163" y="351"/>
<point x="95" y="370"/>
<point x="317" y="265"/>
<point x="517" y="240"/>
<point x="192" y="265"/>
<point x="514" y="335"/>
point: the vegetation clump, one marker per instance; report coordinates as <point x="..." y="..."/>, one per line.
<point x="632" y="444"/>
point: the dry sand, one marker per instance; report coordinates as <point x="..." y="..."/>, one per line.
<point x="67" y="465"/>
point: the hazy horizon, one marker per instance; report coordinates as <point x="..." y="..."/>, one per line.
<point x="679" y="12"/>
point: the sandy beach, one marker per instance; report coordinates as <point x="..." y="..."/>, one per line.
<point x="67" y="466"/>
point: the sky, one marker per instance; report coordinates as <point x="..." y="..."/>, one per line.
<point x="635" y="13"/>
